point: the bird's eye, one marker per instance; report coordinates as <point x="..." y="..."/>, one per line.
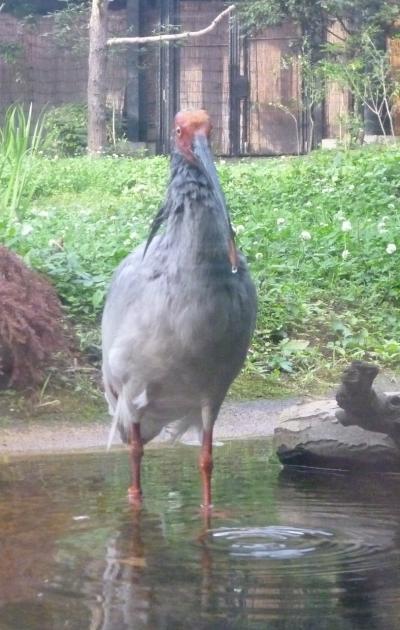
<point x="178" y="131"/>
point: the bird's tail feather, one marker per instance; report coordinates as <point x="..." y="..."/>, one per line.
<point x="177" y="429"/>
<point x="123" y="415"/>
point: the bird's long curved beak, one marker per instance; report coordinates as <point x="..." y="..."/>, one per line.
<point x="205" y="161"/>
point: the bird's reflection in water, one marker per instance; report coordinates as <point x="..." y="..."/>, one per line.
<point x="337" y="556"/>
<point x="141" y="587"/>
<point x="125" y="595"/>
<point x="298" y="550"/>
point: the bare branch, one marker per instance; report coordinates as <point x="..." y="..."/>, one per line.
<point x="342" y="39"/>
<point x="343" y="24"/>
<point x="171" y="37"/>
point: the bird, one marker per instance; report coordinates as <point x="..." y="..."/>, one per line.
<point x="180" y="311"/>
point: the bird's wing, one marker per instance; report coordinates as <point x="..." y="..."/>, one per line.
<point x="133" y="318"/>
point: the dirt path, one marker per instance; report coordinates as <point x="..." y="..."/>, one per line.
<point x="236" y="420"/>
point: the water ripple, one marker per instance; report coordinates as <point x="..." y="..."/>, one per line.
<point x="316" y="550"/>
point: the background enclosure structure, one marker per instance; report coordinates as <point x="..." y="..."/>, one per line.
<point x="39" y="65"/>
<point x="240" y="80"/>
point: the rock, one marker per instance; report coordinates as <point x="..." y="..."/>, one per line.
<point x="310" y="435"/>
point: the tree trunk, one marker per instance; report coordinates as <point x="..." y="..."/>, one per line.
<point x="97" y="137"/>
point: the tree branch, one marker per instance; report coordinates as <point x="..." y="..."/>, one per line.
<point x="343" y="24"/>
<point x="171" y="37"/>
<point x="342" y="39"/>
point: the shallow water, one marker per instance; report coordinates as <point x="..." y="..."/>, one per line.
<point x="298" y="550"/>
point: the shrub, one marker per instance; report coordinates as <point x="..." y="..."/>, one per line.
<point x="66" y="130"/>
<point x="20" y="140"/>
<point x="32" y="329"/>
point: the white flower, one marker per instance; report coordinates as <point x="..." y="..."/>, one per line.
<point x="345" y="254"/>
<point x="346" y="226"/>
<point x="305" y="235"/>
<point x="391" y="248"/>
<point x="280" y="221"/>
<point x="382" y="225"/>
<point x="258" y="256"/>
<point x="26" y="229"/>
<point x="308" y="204"/>
<point x="239" y="229"/>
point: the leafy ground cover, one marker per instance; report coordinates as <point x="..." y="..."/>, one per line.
<point x="321" y="234"/>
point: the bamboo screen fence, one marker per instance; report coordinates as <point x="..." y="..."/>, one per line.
<point x="274" y="112"/>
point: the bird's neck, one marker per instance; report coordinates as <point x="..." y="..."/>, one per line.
<point x="198" y="228"/>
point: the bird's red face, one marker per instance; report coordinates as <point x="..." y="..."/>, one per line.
<point x="189" y="127"/>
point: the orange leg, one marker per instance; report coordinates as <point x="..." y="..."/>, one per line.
<point x="136" y="445"/>
<point x="206" y="466"/>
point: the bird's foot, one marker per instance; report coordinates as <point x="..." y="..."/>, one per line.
<point x="206" y="512"/>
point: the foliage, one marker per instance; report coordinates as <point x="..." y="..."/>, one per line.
<point x="320" y="233"/>
<point x="20" y="139"/>
<point x="31" y="323"/>
<point x="360" y="66"/>
<point x="66" y="130"/>
<point x="351" y="129"/>
<point x="9" y="52"/>
<point x="312" y="93"/>
<point x="356" y="64"/>
<point x="23" y="8"/>
<point x="313" y="86"/>
<point x="70" y="27"/>
<point x="314" y="15"/>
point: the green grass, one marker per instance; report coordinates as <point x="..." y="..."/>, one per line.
<point x="325" y="295"/>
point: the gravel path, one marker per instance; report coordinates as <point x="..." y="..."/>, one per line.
<point x="237" y="420"/>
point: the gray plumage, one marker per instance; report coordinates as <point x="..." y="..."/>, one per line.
<point x="178" y="320"/>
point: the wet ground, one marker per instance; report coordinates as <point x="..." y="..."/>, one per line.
<point x="300" y="549"/>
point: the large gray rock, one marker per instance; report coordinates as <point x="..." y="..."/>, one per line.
<point x="310" y="435"/>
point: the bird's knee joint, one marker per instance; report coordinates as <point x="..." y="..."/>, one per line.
<point x="206" y="463"/>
